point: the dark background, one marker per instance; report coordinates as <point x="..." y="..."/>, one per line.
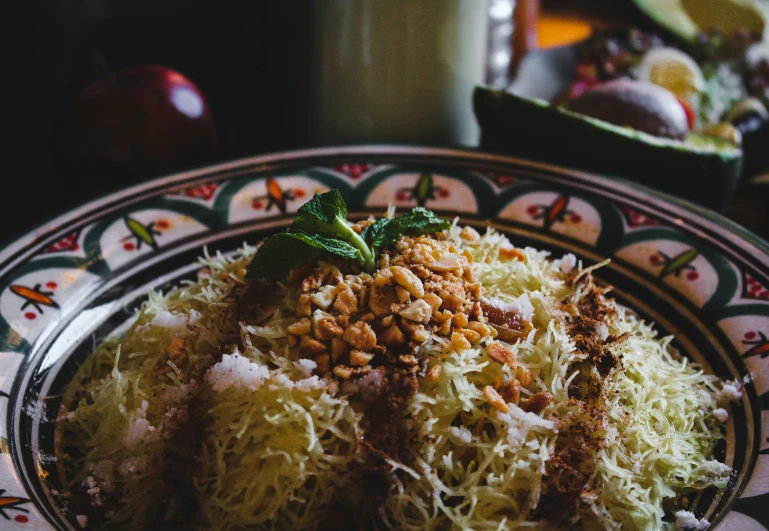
<point x="249" y="58"/>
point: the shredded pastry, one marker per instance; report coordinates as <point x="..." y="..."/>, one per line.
<point x="466" y="384"/>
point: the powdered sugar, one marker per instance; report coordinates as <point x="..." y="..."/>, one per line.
<point x="235" y="370"/>
<point x="687" y="520"/>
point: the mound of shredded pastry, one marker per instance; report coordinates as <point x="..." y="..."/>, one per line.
<point x="465" y="384"/>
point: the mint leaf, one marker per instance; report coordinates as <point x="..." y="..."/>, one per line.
<point x="374" y="231"/>
<point x="326" y="215"/>
<point x="322" y="215"/>
<point x="282" y="252"/>
<point x="418" y="221"/>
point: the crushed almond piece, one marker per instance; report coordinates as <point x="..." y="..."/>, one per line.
<point x="459" y="342"/>
<point x="311" y="346"/>
<point x="360" y="335"/>
<point x="511" y="392"/>
<point x="346" y="302"/>
<point x="303" y="306"/>
<point x="300" y="328"/>
<point x="409" y="281"/>
<point x="434" y="373"/>
<point x="314" y="281"/>
<point x="392" y="337"/>
<point x="387" y="321"/>
<point x="433" y="300"/>
<point x="469" y="234"/>
<point x="324" y="326"/>
<point x="402" y="294"/>
<point x="359" y="358"/>
<point x="363" y="296"/>
<point x="537" y="402"/>
<point x="384" y="277"/>
<point x="482" y="329"/>
<point x="420" y="335"/>
<point x="338" y="348"/>
<point x="524" y="376"/>
<point x="324" y="297"/>
<point x="418" y="311"/>
<point x="381" y="298"/>
<point x="322" y="364"/>
<point x="408" y="359"/>
<point x="506" y="253"/>
<point x="445" y="264"/>
<point x="471" y="335"/>
<point x="501" y="354"/>
<point x="460" y="320"/>
<point x="343" y="372"/>
<point x="494" y="399"/>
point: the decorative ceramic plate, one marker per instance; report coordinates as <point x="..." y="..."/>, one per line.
<point x="76" y="280"/>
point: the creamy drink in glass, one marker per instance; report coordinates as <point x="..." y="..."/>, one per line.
<point x="397" y="70"/>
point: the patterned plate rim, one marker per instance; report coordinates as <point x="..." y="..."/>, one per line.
<point x="22" y="248"/>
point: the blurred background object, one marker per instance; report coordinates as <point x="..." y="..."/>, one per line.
<point x="403" y="70"/>
<point x="263" y="73"/>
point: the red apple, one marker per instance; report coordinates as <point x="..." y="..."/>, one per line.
<point x="143" y="119"/>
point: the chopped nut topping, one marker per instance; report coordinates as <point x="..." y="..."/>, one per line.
<point x="482" y="329"/>
<point x="311" y="347"/>
<point x="424" y="286"/>
<point x="469" y="234"/>
<point x="360" y="335"/>
<point x="409" y="281"/>
<point x="324" y="325"/>
<point x="537" y="402"/>
<point x="524" y="376"/>
<point x="338" y="348"/>
<point x="418" y="311"/>
<point x="402" y="294"/>
<point x="392" y="337"/>
<point x="358" y="358"/>
<point x="433" y="300"/>
<point x="494" y="399"/>
<point x="446" y="263"/>
<point x="459" y="320"/>
<point x="324" y="297"/>
<point x="314" y="281"/>
<point x="346" y="302"/>
<point x="300" y="328"/>
<point x="304" y="306"/>
<point x="323" y="364"/>
<point x="471" y="335"/>
<point x="506" y="253"/>
<point x="434" y="373"/>
<point x="501" y="354"/>
<point x="459" y="342"/>
<point x="511" y="392"/>
<point x="343" y="372"/>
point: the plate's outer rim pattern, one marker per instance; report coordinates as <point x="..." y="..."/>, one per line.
<point x="711" y="266"/>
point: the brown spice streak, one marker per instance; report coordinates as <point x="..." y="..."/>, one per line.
<point x="569" y="470"/>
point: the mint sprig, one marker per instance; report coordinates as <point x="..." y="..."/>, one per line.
<point x="321" y="227"/>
